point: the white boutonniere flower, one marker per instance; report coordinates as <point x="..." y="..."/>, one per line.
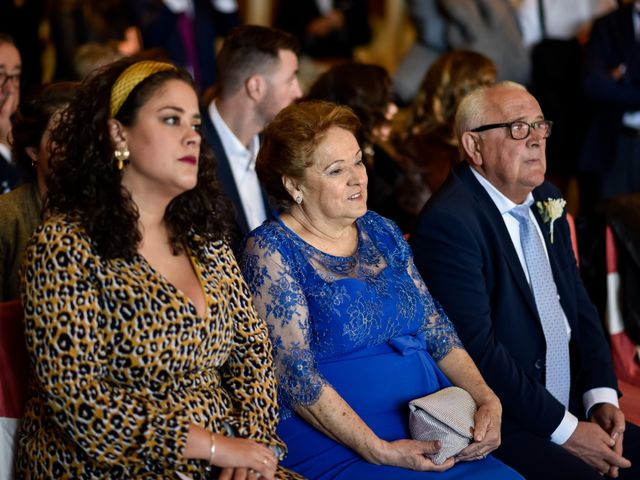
<point x="551" y="210"/>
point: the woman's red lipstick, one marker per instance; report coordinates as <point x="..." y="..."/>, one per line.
<point x="189" y="159"/>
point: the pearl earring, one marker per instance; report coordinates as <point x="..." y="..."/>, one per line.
<point x="122" y="156"/>
<point x="298" y="199"/>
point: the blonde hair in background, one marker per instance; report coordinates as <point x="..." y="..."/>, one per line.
<point x="448" y="80"/>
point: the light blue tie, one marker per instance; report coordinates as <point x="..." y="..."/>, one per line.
<point x="558" y="375"/>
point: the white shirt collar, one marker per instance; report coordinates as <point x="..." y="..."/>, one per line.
<point x="503" y="203"/>
<point x="232" y="145"/>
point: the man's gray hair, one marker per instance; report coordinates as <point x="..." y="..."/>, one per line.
<point x="471" y="110"/>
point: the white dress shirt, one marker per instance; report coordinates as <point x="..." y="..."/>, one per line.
<point x="243" y="167"/>
<point x="5" y="152"/>
<point x="591" y="397"/>
<point x="563" y="18"/>
<point x="186" y="6"/>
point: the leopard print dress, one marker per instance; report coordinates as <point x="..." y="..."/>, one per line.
<point x="122" y="363"/>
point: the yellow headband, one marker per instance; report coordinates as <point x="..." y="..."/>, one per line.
<point x="130" y="78"/>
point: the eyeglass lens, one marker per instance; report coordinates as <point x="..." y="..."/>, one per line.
<point x="521" y="130"/>
<point x="5" y="78"/>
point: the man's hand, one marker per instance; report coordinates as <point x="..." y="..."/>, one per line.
<point x="595" y="446"/>
<point x="611" y="419"/>
<point x="8" y="105"/>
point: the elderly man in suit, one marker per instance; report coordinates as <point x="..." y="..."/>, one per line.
<point x="493" y="246"/>
<point x="258" y="68"/>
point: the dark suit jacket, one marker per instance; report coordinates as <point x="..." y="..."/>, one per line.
<point x="10" y="175"/>
<point x="159" y="28"/>
<point x="295" y="16"/>
<point x="612" y="42"/>
<point x="464" y="252"/>
<point x="225" y="175"/>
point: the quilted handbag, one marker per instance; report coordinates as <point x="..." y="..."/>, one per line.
<point x="447" y="416"/>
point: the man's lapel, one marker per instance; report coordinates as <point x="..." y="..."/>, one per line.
<point x="224" y="173"/>
<point x="506" y="246"/>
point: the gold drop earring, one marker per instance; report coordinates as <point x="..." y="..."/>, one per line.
<point x="122" y="156"/>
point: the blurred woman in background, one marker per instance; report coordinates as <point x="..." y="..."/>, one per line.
<point x="426" y="141"/>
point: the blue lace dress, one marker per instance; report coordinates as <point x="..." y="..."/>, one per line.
<point x="364" y="324"/>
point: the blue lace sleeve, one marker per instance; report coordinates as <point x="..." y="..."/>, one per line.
<point x="440" y="333"/>
<point x="281" y="302"/>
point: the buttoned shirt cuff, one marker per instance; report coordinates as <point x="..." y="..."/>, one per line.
<point x="599" y="395"/>
<point x="566" y="428"/>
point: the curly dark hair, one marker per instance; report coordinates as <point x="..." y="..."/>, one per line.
<point x="364" y="88"/>
<point x="291" y="139"/>
<point x="32" y="119"/>
<point x="86" y="185"/>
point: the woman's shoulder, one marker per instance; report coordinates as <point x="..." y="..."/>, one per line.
<point x="61" y="231"/>
<point x="386" y="236"/>
<point x="271" y="235"/>
<point x="60" y="243"/>
<point x="374" y="222"/>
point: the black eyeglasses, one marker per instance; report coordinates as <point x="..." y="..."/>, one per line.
<point x="4" y="78"/>
<point x="520" y="130"/>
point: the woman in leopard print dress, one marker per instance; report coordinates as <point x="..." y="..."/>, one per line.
<point x="148" y="358"/>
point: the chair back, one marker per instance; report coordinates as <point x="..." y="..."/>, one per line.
<point x="14" y="370"/>
<point x="14" y="366"/>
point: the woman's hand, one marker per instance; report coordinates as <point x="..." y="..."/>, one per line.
<point x="243" y="459"/>
<point x="239" y="474"/>
<point x="458" y="366"/>
<point x="486" y="434"/>
<point x="412" y="454"/>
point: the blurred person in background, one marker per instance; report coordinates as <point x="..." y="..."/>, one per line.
<point x="10" y="73"/>
<point x="187" y="30"/>
<point x="426" y="140"/>
<point x="21" y="209"/>
<point x="327" y="29"/>
<point x="258" y="69"/>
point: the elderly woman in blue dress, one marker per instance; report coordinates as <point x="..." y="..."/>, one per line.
<point x="356" y="334"/>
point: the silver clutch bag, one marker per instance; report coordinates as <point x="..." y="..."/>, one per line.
<point x="446" y="416"/>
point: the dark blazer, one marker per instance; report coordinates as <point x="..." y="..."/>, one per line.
<point x="10" y="175"/>
<point x="464" y="252"/>
<point x="295" y="16"/>
<point x="159" y="28"/>
<point x="612" y="42"/>
<point x="225" y="175"/>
